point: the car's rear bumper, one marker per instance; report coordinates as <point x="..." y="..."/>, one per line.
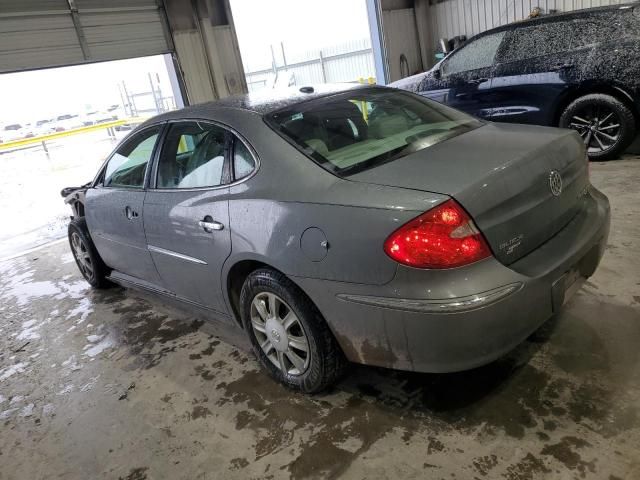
<point x="450" y="320"/>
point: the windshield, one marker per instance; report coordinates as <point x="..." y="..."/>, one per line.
<point x="355" y="131"/>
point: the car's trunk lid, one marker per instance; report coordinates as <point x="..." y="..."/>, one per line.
<point x="501" y="174"/>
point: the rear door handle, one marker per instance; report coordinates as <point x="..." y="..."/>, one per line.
<point x="477" y="81"/>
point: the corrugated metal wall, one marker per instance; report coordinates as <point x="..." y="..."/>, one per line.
<point x="450" y="18"/>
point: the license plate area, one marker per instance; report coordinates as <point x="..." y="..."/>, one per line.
<point x="571" y="281"/>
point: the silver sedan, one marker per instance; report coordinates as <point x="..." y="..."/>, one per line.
<point x="345" y="223"/>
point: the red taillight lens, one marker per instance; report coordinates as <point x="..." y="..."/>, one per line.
<point x="443" y="237"/>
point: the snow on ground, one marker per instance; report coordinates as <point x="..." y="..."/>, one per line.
<point x="31" y="207"/>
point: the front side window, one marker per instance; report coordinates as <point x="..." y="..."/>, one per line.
<point x="126" y="168"/>
<point x="536" y="41"/>
<point x="193" y="156"/>
<point x="477" y="54"/>
<point x="354" y="131"/>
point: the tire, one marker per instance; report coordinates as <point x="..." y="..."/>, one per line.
<point x="85" y="254"/>
<point x="321" y="365"/>
<point x="581" y="115"/>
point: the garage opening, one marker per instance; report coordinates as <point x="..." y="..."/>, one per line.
<point x="57" y="126"/>
<point x="281" y="48"/>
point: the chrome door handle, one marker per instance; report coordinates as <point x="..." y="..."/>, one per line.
<point x="209" y="226"/>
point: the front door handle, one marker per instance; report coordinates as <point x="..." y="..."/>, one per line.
<point x="209" y="224"/>
<point x="477" y="81"/>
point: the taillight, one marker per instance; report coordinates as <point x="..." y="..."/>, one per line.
<point x="443" y="237"/>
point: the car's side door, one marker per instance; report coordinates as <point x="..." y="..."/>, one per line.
<point x="114" y="207"/>
<point x="187" y="213"/>
<point x="463" y="80"/>
<point x="535" y="66"/>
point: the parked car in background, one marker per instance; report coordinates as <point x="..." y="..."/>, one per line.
<point x="354" y="222"/>
<point x="14" y="131"/>
<point x="96" y="117"/>
<point x="44" y="126"/>
<point x="68" y="122"/>
<point x="578" y="70"/>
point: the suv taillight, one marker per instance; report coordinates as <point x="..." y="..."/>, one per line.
<point x="443" y="237"/>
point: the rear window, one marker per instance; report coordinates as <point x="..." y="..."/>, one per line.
<point x="354" y="131"/>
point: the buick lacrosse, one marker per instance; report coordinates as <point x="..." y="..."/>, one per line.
<point x="347" y="223"/>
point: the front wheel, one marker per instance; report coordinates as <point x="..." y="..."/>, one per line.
<point x="288" y="334"/>
<point x="606" y="125"/>
<point x="85" y="254"/>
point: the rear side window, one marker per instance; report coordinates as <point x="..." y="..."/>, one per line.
<point x="127" y="166"/>
<point x="243" y="162"/>
<point x="477" y="54"/>
<point x="353" y="131"/>
<point x="589" y="32"/>
<point x="535" y="41"/>
<point x="193" y="156"/>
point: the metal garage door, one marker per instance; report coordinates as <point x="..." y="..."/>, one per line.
<point x="470" y="17"/>
<point x="48" y="33"/>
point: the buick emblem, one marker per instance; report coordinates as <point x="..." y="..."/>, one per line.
<point x="555" y="183"/>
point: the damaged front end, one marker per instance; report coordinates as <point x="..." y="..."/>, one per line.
<point x="74" y="197"/>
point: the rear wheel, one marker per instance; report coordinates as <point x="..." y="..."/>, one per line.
<point x="85" y="254"/>
<point x="288" y="334"/>
<point x="606" y="125"/>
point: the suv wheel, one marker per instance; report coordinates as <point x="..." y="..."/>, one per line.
<point x="606" y="125"/>
<point x="84" y="251"/>
<point x="288" y="334"/>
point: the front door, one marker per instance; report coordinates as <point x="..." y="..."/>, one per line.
<point x="186" y="215"/>
<point x="114" y="208"/>
<point x="463" y="80"/>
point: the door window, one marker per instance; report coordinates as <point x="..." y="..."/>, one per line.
<point x="193" y="156"/>
<point x="536" y="41"/>
<point x="243" y="163"/>
<point x="126" y="168"/>
<point x="477" y="54"/>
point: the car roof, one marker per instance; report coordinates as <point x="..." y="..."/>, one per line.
<point x="261" y="102"/>
<point x="560" y="17"/>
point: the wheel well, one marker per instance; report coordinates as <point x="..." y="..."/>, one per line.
<point x="587" y="90"/>
<point x="237" y="275"/>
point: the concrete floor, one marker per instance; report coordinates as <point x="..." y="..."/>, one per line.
<point x="111" y="384"/>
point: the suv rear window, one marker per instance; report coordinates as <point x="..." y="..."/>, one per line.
<point x="536" y="41"/>
<point x="354" y="131"/>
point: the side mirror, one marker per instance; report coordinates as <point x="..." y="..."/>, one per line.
<point x="437" y="74"/>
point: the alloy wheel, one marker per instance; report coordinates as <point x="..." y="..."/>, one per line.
<point x="82" y="256"/>
<point x="280" y="333"/>
<point x="599" y="127"/>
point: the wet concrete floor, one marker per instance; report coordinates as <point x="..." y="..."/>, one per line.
<point x="113" y="384"/>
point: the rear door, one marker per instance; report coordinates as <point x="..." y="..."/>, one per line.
<point x="463" y="80"/>
<point x="535" y="67"/>
<point x="114" y="207"/>
<point x="187" y="214"/>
